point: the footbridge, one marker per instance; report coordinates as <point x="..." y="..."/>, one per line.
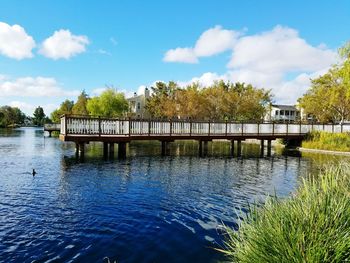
<point x="111" y="131"/>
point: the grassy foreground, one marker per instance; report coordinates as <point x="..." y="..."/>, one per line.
<point x="311" y="226"/>
<point x="328" y="141"/>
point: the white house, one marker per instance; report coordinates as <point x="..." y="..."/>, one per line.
<point x="282" y="113"/>
<point x="137" y="104"/>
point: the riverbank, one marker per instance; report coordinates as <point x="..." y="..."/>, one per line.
<point x="310" y="226"/>
<point x="337" y="142"/>
<point x="301" y="149"/>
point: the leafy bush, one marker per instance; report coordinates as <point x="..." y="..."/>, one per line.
<point x="311" y="226"/>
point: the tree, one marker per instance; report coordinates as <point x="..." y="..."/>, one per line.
<point x="220" y="101"/>
<point x="10" y="116"/>
<point x="79" y="107"/>
<point x="328" y="98"/>
<point x="66" y="107"/>
<point x="109" y="104"/>
<point x="39" y="116"/>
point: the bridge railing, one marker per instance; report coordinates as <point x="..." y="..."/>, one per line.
<point x="97" y="126"/>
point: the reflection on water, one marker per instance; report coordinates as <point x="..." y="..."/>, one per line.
<point x="146" y="208"/>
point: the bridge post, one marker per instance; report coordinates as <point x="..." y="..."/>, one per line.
<point x="82" y="150"/>
<point x="262" y="148"/>
<point x="232" y="148"/>
<point x="105" y="150"/>
<point x="50" y="133"/>
<point x="205" y="148"/>
<point x="76" y="150"/>
<point x="268" y="147"/>
<point x="200" y="148"/>
<point x="122" y="150"/>
<point x="239" y="148"/>
<point x="111" y="150"/>
<point x="164" y="146"/>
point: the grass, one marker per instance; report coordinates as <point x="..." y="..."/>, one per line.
<point x="313" y="225"/>
<point x="328" y="141"/>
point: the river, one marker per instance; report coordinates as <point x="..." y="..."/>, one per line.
<point x="146" y="208"/>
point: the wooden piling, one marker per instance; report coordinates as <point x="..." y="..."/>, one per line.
<point x="232" y="148"/>
<point x="122" y="150"/>
<point x="269" y="147"/>
<point x="105" y="150"/>
<point x="262" y="147"/>
<point x="111" y="150"/>
<point x="239" y="147"/>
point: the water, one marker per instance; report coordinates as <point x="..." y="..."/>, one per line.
<point x="146" y="208"/>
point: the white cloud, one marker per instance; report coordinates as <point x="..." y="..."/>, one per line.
<point x="279" y="60"/>
<point x="279" y="50"/>
<point x="185" y="55"/>
<point x="214" y="41"/>
<point x="63" y="44"/>
<point x="211" y="42"/>
<point x="33" y="87"/>
<point x="15" y="42"/>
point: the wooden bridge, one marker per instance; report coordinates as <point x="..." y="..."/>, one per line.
<point x="84" y="129"/>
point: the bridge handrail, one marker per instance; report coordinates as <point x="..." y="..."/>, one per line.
<point x="97" y="126"/>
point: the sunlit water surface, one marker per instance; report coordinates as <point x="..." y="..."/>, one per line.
<point x="146" y="208"/>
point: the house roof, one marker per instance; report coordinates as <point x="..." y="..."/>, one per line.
<point x="284" y="107"/>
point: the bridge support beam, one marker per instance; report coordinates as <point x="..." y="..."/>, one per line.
<point x="122" y="150"/>
<point x="232" y="150"/>
<point x="262" y="147"/>
<point x="269" y="147"/>
<point x="82" y="150"/>
<point x="50" y="132"/>
<point x="105" y="150"/>
<point x="205" y="148"/>
<point x="239" y="148"/>
<point x="200" y="148"/>
<point x="76" y="150"/>
<point x="111" y="150"/>
<point x="165" y="148"/>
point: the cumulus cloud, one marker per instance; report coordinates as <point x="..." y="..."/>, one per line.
<point x="278" y="59"/>
<point x="15" y="42"/>
<point x="185" y="55"/>
<point x="33" y="87"/>
<point x="211" y="42"/>
<point x="280" y="49"/>
<point x="63" y="44"/>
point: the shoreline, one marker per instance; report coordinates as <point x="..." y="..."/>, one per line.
<point x="301" y="149"/>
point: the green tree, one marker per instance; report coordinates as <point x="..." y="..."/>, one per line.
<point x="109" y="104"/>
<point x="39" y="116"/>
<point x="66" y="107"/>
<point x="328" y="98"/>
<point x="79" y="107"/>
<point x="10" y="116"/>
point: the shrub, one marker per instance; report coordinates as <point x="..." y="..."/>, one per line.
<point x="311" y="226"/>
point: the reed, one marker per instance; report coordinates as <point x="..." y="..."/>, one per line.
<point x="313" y="225"/>
<point x="328" y="141"/>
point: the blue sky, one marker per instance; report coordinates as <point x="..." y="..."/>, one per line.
<point x="63" y="47"/>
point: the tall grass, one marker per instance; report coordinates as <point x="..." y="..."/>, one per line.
<point x="328" y="141"/>
<point x="311" y="226"/>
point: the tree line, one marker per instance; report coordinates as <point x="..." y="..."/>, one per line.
<point x="13" y="116"/>
<point x="220" y="101"/>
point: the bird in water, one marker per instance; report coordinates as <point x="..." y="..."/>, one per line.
<point x="34" y="172"/>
